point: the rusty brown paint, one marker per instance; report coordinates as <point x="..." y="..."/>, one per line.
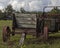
<point x="45" y="33"/>
<point x="6" y="33"/>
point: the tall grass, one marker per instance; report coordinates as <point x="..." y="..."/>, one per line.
<point x="30" y="42"/>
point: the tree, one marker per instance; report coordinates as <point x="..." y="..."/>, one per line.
<point x="1" y="15"/>
<point x="9" y="9"/>
<point x="22" y="10"/>
<point x="54" y="11"/>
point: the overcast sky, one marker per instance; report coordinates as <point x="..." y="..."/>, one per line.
<point x="29" y="5"/>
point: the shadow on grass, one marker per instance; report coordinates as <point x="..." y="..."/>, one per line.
<point x="51" y="40"/>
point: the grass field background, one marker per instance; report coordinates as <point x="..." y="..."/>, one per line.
<point x="30" y="42"/>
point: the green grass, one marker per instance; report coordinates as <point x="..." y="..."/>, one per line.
<point x="3" y="23"/>
<point x="30" y="42"/>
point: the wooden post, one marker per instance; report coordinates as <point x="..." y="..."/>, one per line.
<point x="45" y="33"/>
<point x="13" y="31"/>
<point x="25" y="35"/>
<point x="21" y="41"/>
<point x="37" y="26"/>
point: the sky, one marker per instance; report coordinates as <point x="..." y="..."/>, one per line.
<point x="29" y="5"/>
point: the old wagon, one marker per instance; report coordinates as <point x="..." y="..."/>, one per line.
<point x="33" y="24"/>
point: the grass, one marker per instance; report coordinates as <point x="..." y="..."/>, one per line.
<point x="3" y="23"/>
<point x="30" y="42"/>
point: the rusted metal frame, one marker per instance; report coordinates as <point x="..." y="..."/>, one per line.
<point x="52" y="15"/>
<point x="14" y="25"/>
<point x="30" y="33"/>
<point x="44" y="16"/>
<point x="37" y="26"/>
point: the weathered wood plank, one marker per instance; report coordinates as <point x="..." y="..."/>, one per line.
<point x="26" y="15"/>
<point x="26" y="20"/>
<point x="27" y="26"/>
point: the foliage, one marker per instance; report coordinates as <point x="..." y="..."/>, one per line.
<point x="54" y="11"/>
<point x="8" y="12"/>
<point x="9" y="9"/>
<point x="1" y="14"/>
<point x="22" y="10"/>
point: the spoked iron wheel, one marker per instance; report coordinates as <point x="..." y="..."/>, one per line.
<point x="6" y="33"/>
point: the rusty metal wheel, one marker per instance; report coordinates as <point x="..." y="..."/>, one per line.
<point x="6" y="33"/>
